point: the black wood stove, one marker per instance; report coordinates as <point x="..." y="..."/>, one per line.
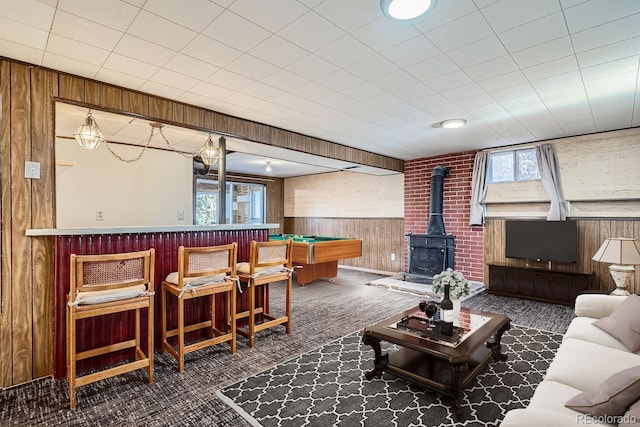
<point x="433" y="252"/>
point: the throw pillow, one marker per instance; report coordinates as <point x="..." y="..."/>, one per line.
<point x="612" y="397"/>
<point x="632" y="416"/>
<point x="624" y="323"/>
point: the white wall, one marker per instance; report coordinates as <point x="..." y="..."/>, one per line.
<point x="149" y="192"/>
<point x="344" y="195"/>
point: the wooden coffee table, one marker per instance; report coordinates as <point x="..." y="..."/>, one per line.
<point x="444" y="367"/>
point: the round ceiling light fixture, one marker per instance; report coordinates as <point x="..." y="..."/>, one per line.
<point x="404" y="10"/>
<point x="453" y="123"/>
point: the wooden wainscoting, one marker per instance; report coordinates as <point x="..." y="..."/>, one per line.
<point x="380" y="238"/>
<point x="591" y="234"/>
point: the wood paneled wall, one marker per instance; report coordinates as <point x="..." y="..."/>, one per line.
<point x="28" y="105"/>
<point x="591" y="234"/>
<point x="380" y="238"/>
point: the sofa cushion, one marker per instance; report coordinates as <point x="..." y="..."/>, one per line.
<point x="597" y="305"/>
<point x="632" y="416"/>
<point x="584" y="365"/>
<point x="612" y="397"/>
<point x="624" y="323"/>
<point x="540" y="417"/>
<point x="582" y="328"/>
<point x="551" y="395"/>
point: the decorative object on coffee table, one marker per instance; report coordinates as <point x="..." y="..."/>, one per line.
<point x="458" y="288"/>
<point x="620" y="252"/>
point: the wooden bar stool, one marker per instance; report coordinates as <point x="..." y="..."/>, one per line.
<point x="268" y="262"/>
<point x="107" y="284"/>
<point x="202" y="272"/>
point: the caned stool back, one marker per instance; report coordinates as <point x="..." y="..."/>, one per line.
<point x="108" y="284"/>
<point x="202" y="271"/>
<point x="268" y="262"/>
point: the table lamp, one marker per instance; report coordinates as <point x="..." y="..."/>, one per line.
<point x="620" y="252"/>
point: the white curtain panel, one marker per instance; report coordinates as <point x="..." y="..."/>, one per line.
<point x="478" y="188"/>
<point x="550" y="174"/>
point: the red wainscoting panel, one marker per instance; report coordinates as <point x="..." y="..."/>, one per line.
<point x="117" y="327"/>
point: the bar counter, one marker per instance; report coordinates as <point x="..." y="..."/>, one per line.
<point x="165" y="241"/>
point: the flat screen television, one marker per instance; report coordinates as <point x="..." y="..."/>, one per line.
<point x="542" y="240"/>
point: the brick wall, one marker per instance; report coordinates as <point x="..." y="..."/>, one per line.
<point x="457" y="201"/>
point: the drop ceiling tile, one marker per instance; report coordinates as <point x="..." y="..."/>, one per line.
<point x="32" y="13"/>
<point x="313" y="90"/>
<point x="137" y="3"/>
<point x="77" y="28"/>
<point x="251" y="67"/>
<point x="21" y="52"/>
<point x="194" y="99"/>
<point x="68" y="65"/>
<point x="223" y="3"/>
<point x="508" y="14"/>
<point x="534" y="33"/>
<point x="551" y="68"/>
<point x="484" y="3"/>
<point x="508" y="93"/>
<point x="460" y="32"/>
<point x="142" y="50"/>
<point x="610" y="68"/>
<point x="285" y="80"/>
<point x="383" y="34"/>
<point x="196" y="16"/>
<point x="431" y="68"/>
<point x="450" y="81"/>
<point x="76" y="50"/>
<point x="349" y="15"/>
<point x="211" y="91"/>
<point x="311" y="3"/>
<point x="363" y="91"/>
<point x="606" y="34"/>
<point x="597" y="12"/>
<point x="340" y="80"/>
<point x="558" y="80"/>
<point x="413" y="91"/>
<point x="428" y="101"/>
<point x="411" y="51"/>
<point x="133" y="67"/>
<point x="625" y="49"/>
<point x="160" y="89"/>
<point x="262" y="91"/>
<point x="463" y="92"/>
<point x="311" y="32"/>
<point x="229" y="80"/>
<point x="372" y="67"/>
<point x="544" y="52"/>
<point x="384" y="99"/>
<point x="236" y="31"/>
<point x="394" y="80"/>
<point x="174" y="80"/>
<point x="23" y="34"/>
<point x="478" y="52"/>
<point x="474" y="101"/>
<point x="503" y="81"/>
<point x="345" y="51"/>
<point x="566" y="4"/>
<point x="443" y="13"/>
<point x="312" y="67"/>
<point x="444" y="111"/>
<point x="272" y="15"/>
<point x="492" y="68"/>
<point x="189" y="66"/>
<point x="119" y="78"/>
<point x="278" y="51"/>
<point x="211" y="51"/>
<point x="161" y="31"/>
<point x="113" y="14"/>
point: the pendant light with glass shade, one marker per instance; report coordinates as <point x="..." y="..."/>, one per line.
<point x="88" y="134"/>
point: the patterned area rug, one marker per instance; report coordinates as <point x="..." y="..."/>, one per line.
<point x="327" y="387"/>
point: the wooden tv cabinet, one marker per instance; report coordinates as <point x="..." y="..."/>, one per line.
<point x="537" y="284"/>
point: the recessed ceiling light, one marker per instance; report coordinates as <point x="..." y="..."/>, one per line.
<point x="406" y="9"/>
<point x="453" y="123"/>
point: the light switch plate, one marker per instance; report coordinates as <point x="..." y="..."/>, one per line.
<point x="32" y="170"/>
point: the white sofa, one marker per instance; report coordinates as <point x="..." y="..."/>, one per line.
<point x="586" y="358"/>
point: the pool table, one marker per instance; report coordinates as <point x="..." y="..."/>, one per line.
<point x="318" y="255"/>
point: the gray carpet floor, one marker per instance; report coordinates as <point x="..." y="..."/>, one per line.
<point x="323" y="311"/>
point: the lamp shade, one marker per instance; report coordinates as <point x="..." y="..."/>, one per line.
<point x="88" y="134"/>
<point x="619" y="250"/>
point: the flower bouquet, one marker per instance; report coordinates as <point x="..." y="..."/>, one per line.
<point x="458" y="285"/>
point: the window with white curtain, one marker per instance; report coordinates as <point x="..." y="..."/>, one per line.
<point x="513" y="165"/>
